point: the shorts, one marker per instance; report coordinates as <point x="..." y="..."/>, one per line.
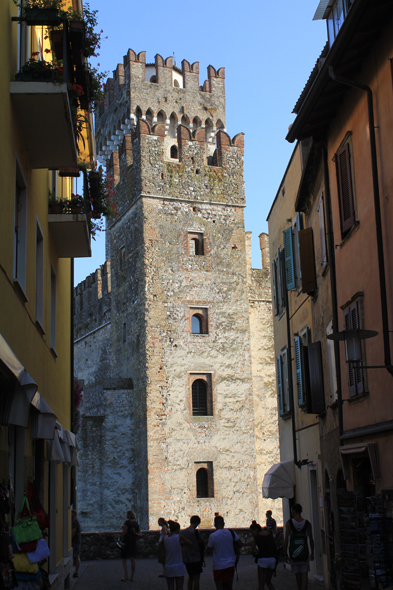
<point x="225" y="575"/>
<point x="194" y="568"/>
<point x="300" y="568"/>
<point x="268" y="563"/>
<point x="76" y="550"/>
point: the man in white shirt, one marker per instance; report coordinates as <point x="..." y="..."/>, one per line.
<point x="222" y="543"/>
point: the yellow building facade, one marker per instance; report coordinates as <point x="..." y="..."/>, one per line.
<point x="37" y="442"/>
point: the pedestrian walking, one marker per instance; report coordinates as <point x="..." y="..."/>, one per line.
<point x="76" y="542"/>
<point x="298" y="534"/>
<point x="193" y="556"/>
<point x="174" y="569"/>
<point x="131" y="535"/>
<point x="271" y="523"/>
<point x="222" y="542"/>
<point x="163" y="533"/>
<point x="264" y="547"/>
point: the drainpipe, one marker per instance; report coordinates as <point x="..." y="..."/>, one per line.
<point x="377" y="209"/>
<point x="289" y="361"/>
<point x="333" y="284"/>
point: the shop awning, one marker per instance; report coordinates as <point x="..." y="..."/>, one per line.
<point x="369" y="449"/>
<point x="279" y="481"/>
<point x="55" y="452"/>
<point x="44" y="420"/>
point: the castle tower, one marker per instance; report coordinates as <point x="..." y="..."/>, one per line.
<point x="169" y="423"/>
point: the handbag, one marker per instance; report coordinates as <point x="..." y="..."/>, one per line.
<point x="28" y="547"/>
<point x="23" y="565"/>
<point x="36" y="507"/>
<point x="42" y="552"/>
<point x="26" y="529"/>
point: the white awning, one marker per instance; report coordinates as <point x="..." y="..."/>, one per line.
<point x="369" y="449"/>
<point x="321" y="11"/>
<point x="19" y="406"/>
<point x="279" y="481"/>
<point x="44" y="420"/>
<point x="55" y="452"/>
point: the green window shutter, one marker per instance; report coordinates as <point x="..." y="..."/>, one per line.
<point x="289" y="266"/>
<point x="299" y="370"/>
<point x="279" y="383"/>
<point x="275" y="298"/>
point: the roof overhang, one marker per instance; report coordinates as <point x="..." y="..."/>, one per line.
<point x="347" y="54"/>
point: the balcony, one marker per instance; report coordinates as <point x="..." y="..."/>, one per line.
<point x="70" y="234"/>
<point x="44" y="115"/>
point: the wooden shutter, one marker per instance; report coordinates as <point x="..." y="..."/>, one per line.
<point x="307" y="258"/>
<point x="289" y="266"/>
<point x="299" y="226"/>
<point x="299" y="370"/>
<point x="279" y="385"/>
<point x="344" y="184"/>
<point x="316" y="396"/>
<point x="275" y="294"/>
<point x="322" y="231"/>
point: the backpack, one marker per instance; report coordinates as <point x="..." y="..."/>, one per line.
<point x="298" y="545"/>
<point x="237" y="552"/>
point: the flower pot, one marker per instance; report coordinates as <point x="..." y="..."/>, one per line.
<point x="55" y="208"/>
<point x="42" y="16"/>
<point x="77" y="34"/>
<point x="69" y="172"/>
<point x="56" y="38"/>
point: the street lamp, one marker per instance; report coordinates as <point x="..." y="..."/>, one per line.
<point x="352" y="339"/>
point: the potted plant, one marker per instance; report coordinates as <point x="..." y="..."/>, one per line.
<point x="101" y="193"/>
<point x="39" y="71"/>
<point x="76" y="203"/>
<point x="55" y="205"/>
<point x="41" y="12"/>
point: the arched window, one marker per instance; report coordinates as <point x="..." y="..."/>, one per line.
<point x="153" y="79"/>
<point x="174" y="153"/>
<point x="196" y="123"/>
<point x="172" y="125"/>
<point x="219" y="124"/>
<point x="195" y="244"/>
<point x="196" y="324"/>
<point x="185" y="120"/>
<point x="199" y="398"/>
<point x="202" y="483"/>
<point x="149" y="117"/>
<point x="161" y="117"/>
<point x="208" y="128"/>
<point x="138" y="112"/>
<point x="176" y="83"/>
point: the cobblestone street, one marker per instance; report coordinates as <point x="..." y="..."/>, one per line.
<point x="106" y="575"/>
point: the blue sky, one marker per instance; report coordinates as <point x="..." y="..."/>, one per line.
<point x="268" y="50"/>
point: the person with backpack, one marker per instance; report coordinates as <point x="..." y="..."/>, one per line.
<point x="194" y="555"/>
<point x="298" y="535"/>
<point x="266" y="554"/>
<point x="225" y="544"/>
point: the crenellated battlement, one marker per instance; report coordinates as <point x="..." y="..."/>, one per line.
<point x="92" y="301"/>
<point x="159" y="93"/>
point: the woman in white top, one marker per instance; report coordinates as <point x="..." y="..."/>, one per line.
<point x="174" y="569"/>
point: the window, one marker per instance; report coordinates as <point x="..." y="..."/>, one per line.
<point x="199" y="323"/>
<point x="297" y="226"/>
<point x="316" y="392"/>
<point x="53" y="307"/>
<point x="199" y="398"/>
<point x="301" y="362"/>
<point x="282" y="381"/>
<point x="201" y="394"/>
<point x="345" y="189"/>
<point x="322" y="232"/>
<point x="336" y="18"/>
<point x="332" y="364"/>
<point x="20" y="230"/>
<point x="289" y="259"/>
<point x="39" y="278"/>
<point x="204" y="479"/>
<point x="355" y="373"/>
<point x="174" y="153"/>
<point x="278" y="287"/>
<point x="307" y="260"/>
<point x="195" y="244"/>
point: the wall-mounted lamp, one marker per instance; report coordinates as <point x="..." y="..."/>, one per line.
<point x="353" y="350"/>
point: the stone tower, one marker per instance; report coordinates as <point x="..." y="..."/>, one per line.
<point x="164" y="347"/>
